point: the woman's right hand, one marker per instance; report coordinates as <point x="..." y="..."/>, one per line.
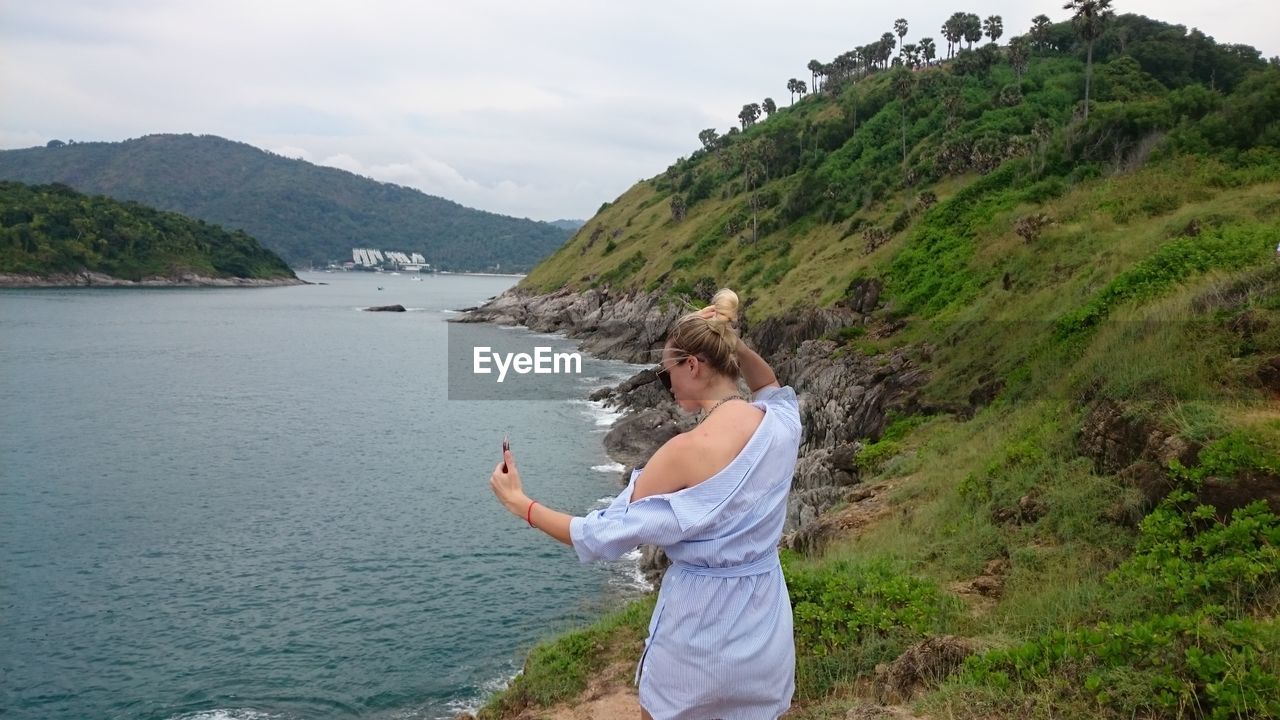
<point x="506" y="485"/>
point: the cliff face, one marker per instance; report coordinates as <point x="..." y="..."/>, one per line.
<point x="845" y="397"/>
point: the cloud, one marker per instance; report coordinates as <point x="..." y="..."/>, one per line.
<point x="531" y="109"/>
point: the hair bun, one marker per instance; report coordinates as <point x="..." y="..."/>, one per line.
<point x="726" y="305"/>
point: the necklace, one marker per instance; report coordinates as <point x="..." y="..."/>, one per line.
<point x="706" y="413"/>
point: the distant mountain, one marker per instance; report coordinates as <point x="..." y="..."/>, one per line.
<point x="306" y="213"/>
<point x="52" y="230"/>
<point x="570" y="225"/>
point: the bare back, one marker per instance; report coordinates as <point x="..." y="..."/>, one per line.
<point x="693" y="456"/>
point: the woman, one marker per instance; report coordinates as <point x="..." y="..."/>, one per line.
<point x="720" y="641"/>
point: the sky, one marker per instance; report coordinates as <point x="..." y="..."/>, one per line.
<point x="532" y="109"/>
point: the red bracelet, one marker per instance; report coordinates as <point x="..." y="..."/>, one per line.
<point x="528" y="514"/>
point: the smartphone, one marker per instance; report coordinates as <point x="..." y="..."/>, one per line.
<point x="505" y="447"/>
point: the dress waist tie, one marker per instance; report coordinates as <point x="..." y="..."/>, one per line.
<point x="760" y="566"/>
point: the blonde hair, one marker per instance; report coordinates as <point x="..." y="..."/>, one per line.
<point x="712" y="339"/>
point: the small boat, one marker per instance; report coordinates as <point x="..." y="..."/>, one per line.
<point x="379" y="287"/>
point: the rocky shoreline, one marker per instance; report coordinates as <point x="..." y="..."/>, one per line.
<point x="95" y="279"/>
<point x="845" y="396"/>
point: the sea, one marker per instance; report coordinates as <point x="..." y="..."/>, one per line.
<point x="261" y="504"/>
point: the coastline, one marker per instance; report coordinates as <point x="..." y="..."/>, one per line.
<point x="96" y="279"/>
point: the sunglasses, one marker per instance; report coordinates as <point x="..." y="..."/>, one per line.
<point x="664" y="373"/>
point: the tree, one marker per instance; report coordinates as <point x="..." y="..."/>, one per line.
<point x="911" y="53"/>
<point x="791" y="88"/>
<point x="815" y="69"/>
<point x="972" y="29"/>
<point x="953" y="31"/>
<point x="887" y="43"/>
<point x="928" y="50"/>
<point x="678" y="208"/>
<point x="1040" y="31"/>
<point x="900" y="29"/>
<point x="708" y="138"/>
<point x="903" y="83"/>
<point x="1019" y="54"/>
<point x="769" y="106"/>
<point x="1089" y="20"/>
<point x="993" y="26"/>
<point x="749" y="114"/>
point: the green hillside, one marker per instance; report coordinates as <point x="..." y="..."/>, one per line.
<point x="1106" y="280"/>
<point x="52" y="229"/>
<point x="305" y="213"/>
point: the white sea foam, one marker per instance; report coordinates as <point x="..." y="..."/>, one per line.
<point x="487" y="688"/>
<point x="228" y="714"/>
<point x="629" y="575"/>
<point x="609" y="468"/>
<point x="601" y="414"/>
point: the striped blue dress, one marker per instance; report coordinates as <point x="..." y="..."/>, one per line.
<point x="720" y="641"/>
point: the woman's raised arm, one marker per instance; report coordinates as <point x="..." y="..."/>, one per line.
<point x="755" y="370"/>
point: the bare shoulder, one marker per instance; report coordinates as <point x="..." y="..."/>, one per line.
<point x="667" y="469"/>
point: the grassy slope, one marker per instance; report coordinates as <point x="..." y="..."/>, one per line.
<point x="1155" y="286"/>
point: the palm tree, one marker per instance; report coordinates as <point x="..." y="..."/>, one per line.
<point x="900" y="29"/>
<point x="928" y="50"/>
<point x="903" y="83"/>
<point x="769" y="106"/>
<point x="1040" y="31"/>
<point x="708" y="138"/>
<point x="1090" y="19"/>
<point x="887" y="42"/>
<point x="911" y="53"/>
<point x="1019" y="54"/>
<point x="815" y="69"/>
<point x="953" y="31"/>
<point x="972" y="29"/>
<point x="994" y="27"/>
<point x="801" y="88"/>
<point x="791" y="88"/>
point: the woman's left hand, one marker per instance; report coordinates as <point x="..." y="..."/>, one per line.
<point x="507" y="486"/>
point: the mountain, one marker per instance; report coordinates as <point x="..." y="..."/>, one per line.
<point x="1036" y="345"/>
<point x="50" y="231"/>
<point x="306" y="213"/>
<point x="570" y="225"/>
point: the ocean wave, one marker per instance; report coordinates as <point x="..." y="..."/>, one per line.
<point x="228" y="714"/>
<point x="629" y="575"/>
<point x="601" y="414"/>
<point x="473" y="703"/>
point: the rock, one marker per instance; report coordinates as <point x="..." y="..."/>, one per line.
<point x="1111" y="438"/>
<point x="1150" y="480"/>
<point x="1269" y="375"/>
<point x="1227" y="494"/>
<point x="635" y="437"/>
<point x="845" y="457"/>
<point x="986" y="391"/>
<point x="1028" y="509"/>
<point x="653" y="564"/>
<point x="922" y="665"/>
<point x="385" y="308"/>
<point x="991" y="586"/>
